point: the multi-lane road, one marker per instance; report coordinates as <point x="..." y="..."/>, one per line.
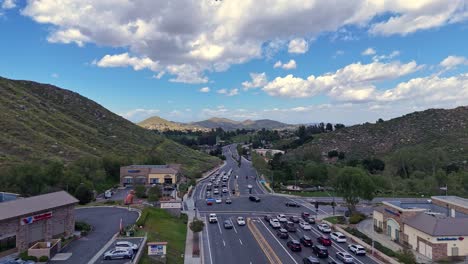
<point x="256" y="242"/>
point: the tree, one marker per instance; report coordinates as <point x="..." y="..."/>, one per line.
<point x="329" y="127"/>
<point x="339" y="126"/>
<point x="354" y="184"/>
<point x="154" y="194"/>
<point x="196" y="225"/>
<point x="84" y="194"/>
<point x="317" y="173"/>
<point x="380" y="120"/>
<point x="333" y="153"/>
<point x="140" y="191"/>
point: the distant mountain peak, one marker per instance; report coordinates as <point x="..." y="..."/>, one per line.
<point x="161" y="124"/>
<point x="228" y="124"/>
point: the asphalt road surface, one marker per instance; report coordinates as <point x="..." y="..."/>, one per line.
<point x="255" y="242"/>
<point x="105" y="222"/>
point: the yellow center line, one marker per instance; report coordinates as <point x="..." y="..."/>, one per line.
<point x="264" y="245"/>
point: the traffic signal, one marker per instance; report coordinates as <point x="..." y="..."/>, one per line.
<point x="316" y="205"/>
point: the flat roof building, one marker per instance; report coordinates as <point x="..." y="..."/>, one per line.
<point x="437" y="228"/>
<point x="39" y="218"/>
<point x="149" y="174"/>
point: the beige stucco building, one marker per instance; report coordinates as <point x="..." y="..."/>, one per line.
<point x="437" y="229"/>
<point x="149" y="174"/>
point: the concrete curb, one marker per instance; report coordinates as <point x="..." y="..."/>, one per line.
<point x="101" y="251"/>
<point x="137" y="258"/>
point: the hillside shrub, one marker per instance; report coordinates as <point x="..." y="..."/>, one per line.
<point x="141" y="221"/>
<point x="43" y="259"/>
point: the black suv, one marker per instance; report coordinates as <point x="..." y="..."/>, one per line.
<point x="292" y="204"/>
<point x="289" y="226"/>
<point x="254" y="199"/>
<point x="294" y="245"/>
<point x="282" y="233"/>
<point x="306" y="241"/>
<point x="320" y="251"/>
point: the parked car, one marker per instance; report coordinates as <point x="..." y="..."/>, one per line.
<point x="320" y="251"/>
<point x="282" y="233"/>
<point x="292" y="204"/>
<point x="338" y="237"/>
<point x="294" y="245"/>
<point x="118" y="254"/>
<point x="310" y="260"/>
<point x="294" y="219"/>
<point x="213" y="218"/>
<point x="304" y="225"/>
<point x="228" y="201"/>
<point x="289" y="226"/>
<point x="227" y="224"/>
<point x="282" y="218"/>
<point x="240" y="221"/>
<point x="345" y="257"/>
<point x="324" y="240"/>
<point x="306" y="241"/>
<point x="324" y="228"/>
<point x="275" y="223"/>
<point x="357" y="249"/>
<point x="125" y="245"/>
<point x="254" y="199"/>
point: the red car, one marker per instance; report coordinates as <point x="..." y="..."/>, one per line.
<point x="324" y="240"/>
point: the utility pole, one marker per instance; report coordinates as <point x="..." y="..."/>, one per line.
<point x="295" y="180"/>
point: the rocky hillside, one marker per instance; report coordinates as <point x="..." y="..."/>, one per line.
<point x="228" y="124"/>
<point x="41" y="121"/>
<point x="422" y="131"/>
<point x="161" y="124"/>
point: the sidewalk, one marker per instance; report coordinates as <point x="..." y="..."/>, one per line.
<point x="189" y="209"/>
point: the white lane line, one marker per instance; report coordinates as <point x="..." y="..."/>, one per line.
<point x="240" y="241"/>
<point x="208" y="239"/>
<point x="336" y="246"/>
<point x="224" y="242"/>
<point x="233" y="225"/>
<point x="285" y="250"/>
<point x="219" y="226"/>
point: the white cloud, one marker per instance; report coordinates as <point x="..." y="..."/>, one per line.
<point x="291" y="64"/>
<point x="188" y="38"/>
<point x="338" y="53"/>
<point x="354" y="82"/>
<point x="390" y="56"/>
<point x="227" y="92"/>
<point x="125" y="60"/>
<point x="368" y="51"/>
<point x="453" y="61"/>
<point x="139" y="114"/>
<point x="205" y="89"/>
<point x="8" y="4"/>
<point x="258" y="80"/>
<point x="298" y="45"/>
<point x="55" y="75"/>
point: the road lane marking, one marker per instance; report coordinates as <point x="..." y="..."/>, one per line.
<point x="233" y="225"/>
<point x="285" y="250"/>
<point x="261" y="241"/>
<point x="219" y="226"/>
<point x="208" y="239"/>
<point x="224" y="242"/>
<point x="240" y="241"/>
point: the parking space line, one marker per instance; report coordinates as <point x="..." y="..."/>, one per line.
<point x="259" y="220"/>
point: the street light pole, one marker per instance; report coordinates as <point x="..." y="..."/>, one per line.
<point x="295" y="180"/>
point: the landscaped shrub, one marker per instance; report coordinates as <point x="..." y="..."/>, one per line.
<point x="43" y="259"/>
<point x="83" y="227"/>
<point x="356" y="218"/>
<point x="341" y="220"/>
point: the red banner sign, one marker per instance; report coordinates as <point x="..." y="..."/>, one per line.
<point x="35" y="218"/>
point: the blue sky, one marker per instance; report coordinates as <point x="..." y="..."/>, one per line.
<point x="113" y="51"/>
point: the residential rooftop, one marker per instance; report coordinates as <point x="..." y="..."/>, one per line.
<point x="462" y="202"/>
<point x="439" y="225"/>
<point x="427" y="206"/>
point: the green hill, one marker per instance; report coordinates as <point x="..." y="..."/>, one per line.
<point x="41" y="121"/>
<point x="444" y="130"/>
<point x="161" y="124"/>
<point x="228" y="124"/>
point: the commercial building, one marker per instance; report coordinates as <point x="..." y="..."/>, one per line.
<point x="268" y="152"/>
<point x="149" y="174"/>
<point x="39" y="218"/>
<point x="437" y="228"/>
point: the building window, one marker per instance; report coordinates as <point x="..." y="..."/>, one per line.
<point x="7" y="243"/>
<point x="154" y="181"/>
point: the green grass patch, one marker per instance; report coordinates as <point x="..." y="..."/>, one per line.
<point x="308" y="194"/>
<point x="161" y="226"/>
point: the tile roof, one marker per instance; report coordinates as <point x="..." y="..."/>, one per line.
<point x="26" y="206"/>
<point x="439" y="225"/>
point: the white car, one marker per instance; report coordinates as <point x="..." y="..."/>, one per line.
<point x="216" y="191"/>
<point x="305" y="226"/>
<point x="345" y="257"/>
<point x="324" y="228"/>
<point x="218" y="200"/>
<point x="357" y="249"/>
<point x="240" y="221"/>
<point x="338" y="237"/>
<point x="125" y="245"/>
<point x="213" y="218"/>
<point x="225" y="190"/>
<point x="275" y="223"/>
<point x="282" y="218"/>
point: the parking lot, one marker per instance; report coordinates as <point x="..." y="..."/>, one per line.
<point x="136" y="240"/>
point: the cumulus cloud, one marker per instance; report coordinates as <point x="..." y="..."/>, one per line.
<point x="227" y="92"/>
<point x="368" y="52"/>
<point x="205" y="89"/>
<point x="298" y="45"/>
<point x="354" y="82"/>
<point x="125" y="60"/>
<point x="453" y="61"/>
<point x="188" y="38"/>
<point x="258" y="80"/>
<point x="291" y="64"/>
<point x="390" y="56"/>
<point x="8" y="4"/>
<point x="139" y="114"/>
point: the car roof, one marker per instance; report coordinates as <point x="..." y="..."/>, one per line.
<point x="283" y="230"/>
<point x="294" y="241"/>
<point x="306" y="237"/>
<point x="320" y="247"/>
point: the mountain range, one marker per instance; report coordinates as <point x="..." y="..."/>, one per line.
<point x="158" y="123"/>
<point x="41" y="121"/>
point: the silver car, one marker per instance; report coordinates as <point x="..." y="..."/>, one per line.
<point x="118" y="254"/>
<point x="345" y="257"/>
